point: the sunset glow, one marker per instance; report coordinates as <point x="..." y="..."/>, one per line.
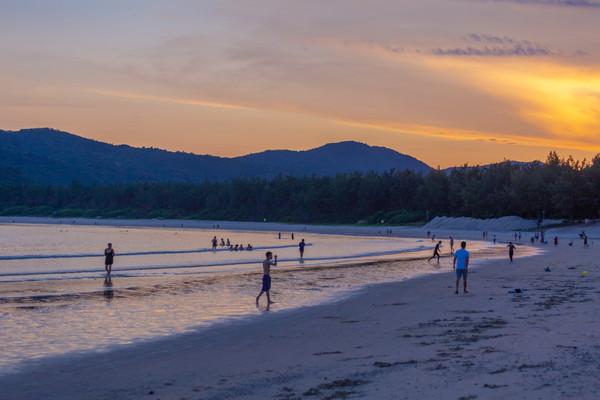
<point x="446" y="81"/>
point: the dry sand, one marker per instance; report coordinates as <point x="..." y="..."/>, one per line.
<point x="409" y="340"/>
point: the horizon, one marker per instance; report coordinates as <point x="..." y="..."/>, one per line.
<point x="296" y="150"/>
<point x="449" y="83"/>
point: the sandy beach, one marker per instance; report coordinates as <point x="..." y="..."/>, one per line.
<point x="405" y="340"/>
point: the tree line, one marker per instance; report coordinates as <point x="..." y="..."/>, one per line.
<point x="556" y="188"/>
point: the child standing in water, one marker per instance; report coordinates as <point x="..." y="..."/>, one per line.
<point x="109" y="255"/>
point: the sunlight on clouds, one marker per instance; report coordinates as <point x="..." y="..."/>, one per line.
<point x="468" y="135"/>
<point x="563" y="100"/>
<point x="175" y="100"/>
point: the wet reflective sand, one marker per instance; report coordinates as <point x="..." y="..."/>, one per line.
<point x="70" y="306"/>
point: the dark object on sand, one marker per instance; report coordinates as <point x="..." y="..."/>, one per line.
<point x="547" y="269"/>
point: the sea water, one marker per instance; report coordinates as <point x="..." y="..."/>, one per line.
<point x="54" y="298"/>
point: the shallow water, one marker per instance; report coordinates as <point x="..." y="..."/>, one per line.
<point x="54" y="298"/>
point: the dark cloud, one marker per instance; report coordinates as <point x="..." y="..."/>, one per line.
<point x="515" y="50"/>
<point x="559" y="3"/>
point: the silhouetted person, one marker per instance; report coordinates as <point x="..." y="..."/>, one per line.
<point x="451" y="245"/>
<point x="109" y="257"/>
<point x="436" y="252"/>
<point x="214" y="243"/>
<point x="511" y="251"/>
<point x="301" y="246"/>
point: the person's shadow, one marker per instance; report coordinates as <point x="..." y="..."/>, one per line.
<point x="108" y="289"/>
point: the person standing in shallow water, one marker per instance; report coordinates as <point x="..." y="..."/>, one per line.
<point x="266" y="279"/>
<point x="461" y="266"/>
<point x="511" y="251"/>
<point x="109" y="256"/>
<point x="301" y="246"/>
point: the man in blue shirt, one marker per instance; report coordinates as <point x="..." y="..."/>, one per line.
<point x="461" y="265"/>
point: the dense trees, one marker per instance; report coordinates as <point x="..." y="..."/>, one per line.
<point x="559" y="188"/>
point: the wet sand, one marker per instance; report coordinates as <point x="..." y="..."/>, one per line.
<point x="406" y="340"/>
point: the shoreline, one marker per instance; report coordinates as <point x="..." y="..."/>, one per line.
<point x="404" y="339"/>
<point x="250" y="226"/>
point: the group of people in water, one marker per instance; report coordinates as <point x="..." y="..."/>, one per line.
<point x="227" y="244"/>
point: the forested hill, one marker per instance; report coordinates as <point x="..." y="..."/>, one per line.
<point x="50" y="157"/>
<point x="558" y="188"/>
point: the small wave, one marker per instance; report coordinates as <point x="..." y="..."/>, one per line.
<point x="216" y="264"/>
<point x="137" y="253"/>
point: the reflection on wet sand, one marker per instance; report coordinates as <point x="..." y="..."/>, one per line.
<point x="108" y="288"/>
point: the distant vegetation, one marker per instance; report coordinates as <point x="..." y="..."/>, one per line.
<point x="558" y="188"/>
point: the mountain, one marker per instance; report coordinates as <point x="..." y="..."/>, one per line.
<point x="49" y="156"/>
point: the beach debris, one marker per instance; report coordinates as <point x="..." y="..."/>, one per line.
<point x="584" y="273"/>
<point x="327" y="353"/>
<point x="547" y="269"/>
<point x="516" y="291"/>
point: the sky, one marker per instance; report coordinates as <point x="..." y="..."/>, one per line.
<point x="447" y="81"/>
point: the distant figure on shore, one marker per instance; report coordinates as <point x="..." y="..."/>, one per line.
<point x="494" y="238"/>
<point x="301" y="246"/>
<point x="222" y="243"/>
<point x="433" y="237"/>
<point x="519" y="235"/>
<point x="461" y="266"/>
<point x="436" y="252"/>
<point x="585" y="241"/>
<point x="249" y="247"/>
<point x="511" y="251"/>
<point x="555" y="240"/>
<point x="109" y="256"/>
<point x="279" y="236"/>
<point x="532" y="240"/>
<point x="236" y="248"/>
<point x="228" y="243"/>
<point x="214" y="243"/>
<point x="292" y="235"/>
<point x="428" y="234"/>
<point x="266" y="279"/>
<point x="451" y="245"/>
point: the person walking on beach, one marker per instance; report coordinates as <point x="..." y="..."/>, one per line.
<point x="436" y="252"/>
<point x="214" y="243"/>
<point x="451" y="245"/>
<point x="511" y="251"/>
<point x="585" y="241"/>
<point x="266" y="279"/>
<point x="301" y="246"/>
<point x="109" y="255"/>
<point x="461" y="266"/>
